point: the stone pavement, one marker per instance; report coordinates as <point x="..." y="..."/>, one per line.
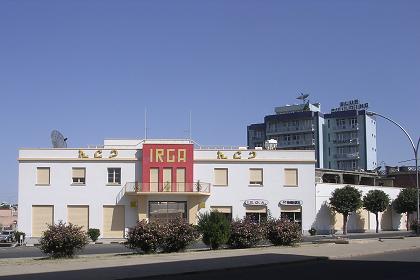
<point x="111" y="266"/>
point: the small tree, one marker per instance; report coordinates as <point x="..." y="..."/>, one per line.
<point x="406" y="202"/>
<point x="215" y="228"/>
<point x="345" y="201"/>
<point x="376" y="201"/>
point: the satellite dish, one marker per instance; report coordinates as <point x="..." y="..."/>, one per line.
<point x="302" y="97"/>
<point x="58" y="140"/>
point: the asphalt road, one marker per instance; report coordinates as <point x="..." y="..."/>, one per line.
<point x="397" y="265"/>
<point x="34" y="252"/>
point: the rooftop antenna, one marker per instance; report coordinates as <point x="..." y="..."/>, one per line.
<point x="145" y="123"/>
<point x="58" y="140"/>
<point x="190" y="132"/>
<point x="302" y="97"/>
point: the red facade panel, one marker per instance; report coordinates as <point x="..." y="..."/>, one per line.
<point x="172" y="156"/>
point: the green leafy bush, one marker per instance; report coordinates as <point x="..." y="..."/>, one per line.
<point x="94" y="233"/>
<point x="177" y="235"/>
<point x="283" y="232"/>
<point x="414" y="225"/>
<point x="145" y="236"/>
<point x="62" y="241"/>
<point x="215" y="229"/>
<point x="245" y="233"/>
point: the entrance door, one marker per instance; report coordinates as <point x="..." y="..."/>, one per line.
<point x="165" y="211"/>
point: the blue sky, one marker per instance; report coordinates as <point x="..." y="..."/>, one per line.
<point x="89" y="68"/>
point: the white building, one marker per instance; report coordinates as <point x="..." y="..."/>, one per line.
<point x="123" y="181"/>
<point x="327" y="181"/>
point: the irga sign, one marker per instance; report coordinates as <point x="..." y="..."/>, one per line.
<point x="168" y="155"/>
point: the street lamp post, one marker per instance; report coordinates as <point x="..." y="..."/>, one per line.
<point x="416" y="152"/>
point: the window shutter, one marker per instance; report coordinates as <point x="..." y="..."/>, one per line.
<point x="256" y="176"/>
<point x="220" y="176"/>
<point x="79" y="172"/>
<point x="43" y="176"/>
<point x="291" y="177"/>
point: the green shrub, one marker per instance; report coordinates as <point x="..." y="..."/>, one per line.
<point x="63" y="240"/>
<point x="145" y="236"/>
<point x="94" y="234"/>
<point x="18" y="234"/>
<point x="215" y="229"/>
<point x="245" y="233"/>
<point x="413" y="226"/>
<point x="177" y="235"/>
<point x="283" y="232"/>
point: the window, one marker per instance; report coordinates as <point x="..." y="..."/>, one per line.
<point x="43" y="176"/>
<point x="292" y="213"/>
<point x="225" y="210"/>
<point x="114" y="176"/>
<point x="79" y="176"/>
<point x="291" y="177"/>
<point x="166" y="211"/>
<point x="256" y="214"/>
<point x="255" y="176"/>
<point x="220" y="176"/>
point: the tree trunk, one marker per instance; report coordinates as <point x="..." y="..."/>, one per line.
<point x="377" y="222"/>
<point x="345" y="224"/>
<point x="407" y="224"/>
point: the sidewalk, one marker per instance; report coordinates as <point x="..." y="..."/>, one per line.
<point x="113" y="266"/>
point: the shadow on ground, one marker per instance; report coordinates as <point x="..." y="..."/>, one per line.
<point x="248" y="267"/>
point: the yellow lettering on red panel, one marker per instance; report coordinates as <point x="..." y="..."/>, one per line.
<point x="170" y="155"/>
<point x="182" y="155"/>
<point x="159" y="155"/>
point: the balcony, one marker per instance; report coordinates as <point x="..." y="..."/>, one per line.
<point x="296" y="143"/>
<point x="346" y="142"/>
<point x="346" y="127"/>
<point x="291" y="129"/>
<point x="195" y="188"/>
<point x="347" y="156"/>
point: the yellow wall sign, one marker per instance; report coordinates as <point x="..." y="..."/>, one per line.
<point x="201" y="205"/>
<point x="133" y="204"/>
<point x="237" y="155"/>
<point x="98" y="154"/>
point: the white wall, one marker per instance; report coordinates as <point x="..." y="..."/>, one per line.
<point x="61" y="193"/>
<point x="273" y="189"/>
<point x="322" y="221"/>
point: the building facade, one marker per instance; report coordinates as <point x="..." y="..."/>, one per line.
<point x="350" y="138"/>
<point x="113" y="186"/>
<point x="294" y="127"/>
<point x="343" y="139"/>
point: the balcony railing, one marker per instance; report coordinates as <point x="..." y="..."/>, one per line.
<point x="353" y="141"/>
<point x="167" y="187"/>
<point x="347" y="156"/>
<point x="294" y="143"/>
<point x="347" y="127"/>
<point x="290" y="129"/>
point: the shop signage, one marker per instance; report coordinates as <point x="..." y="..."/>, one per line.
<point x="98" y="154"/>
<point x="237" y="155"/>
<point x="256" y="202"/>
<point x="291" y="202"/>
<point x="168" y="155"/>
<point x="351" y="105"/>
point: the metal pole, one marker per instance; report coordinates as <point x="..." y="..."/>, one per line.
<point x="417" y="185"/>
<point x="416" y="150"/>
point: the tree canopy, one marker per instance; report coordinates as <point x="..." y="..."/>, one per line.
<point x="376" y="201"/>
<point x="406" y="202"/>
<point x="346" y="200"/>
